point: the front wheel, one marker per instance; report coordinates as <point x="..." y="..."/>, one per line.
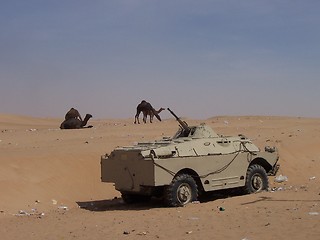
<point x="182" y="190"/>
<point x="256" y="179"/>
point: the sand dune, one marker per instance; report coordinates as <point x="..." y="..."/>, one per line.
<point x="45" y="169"/>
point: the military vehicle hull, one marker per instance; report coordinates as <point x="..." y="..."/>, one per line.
<point x="134" y="174"/>
<point x="194" y="163"/>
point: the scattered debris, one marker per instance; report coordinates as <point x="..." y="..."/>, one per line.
<point x="33" y="212"/>
<point x="312" y="178"/>
<point x="304" y="188"/>
<point x="275" y="189"/>
<point x="54" y="202"/>
<point x="281" y="178"/>
<point x="221" y="209"/>
<point x="193" y="218"/>
<point x="313" y="213"/>
<point x="63" y="208"/>
<point x="22" y="213"/>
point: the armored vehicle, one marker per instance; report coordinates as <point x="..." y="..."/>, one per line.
<point x="194" y="161"/>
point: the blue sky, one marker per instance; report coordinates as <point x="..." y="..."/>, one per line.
<point x="200" y="58"/>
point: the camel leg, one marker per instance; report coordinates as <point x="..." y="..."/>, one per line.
<point x="136" y="118"/>
<point x="145" y="115"/>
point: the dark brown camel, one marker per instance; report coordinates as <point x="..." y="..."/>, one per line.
<point x="146" y="108"/>
<point x="75" y="123"/>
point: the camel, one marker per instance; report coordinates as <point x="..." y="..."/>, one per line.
<point x="75" y="123"/>
<point x="151" y="114"/>
<point x="146" y="109"/>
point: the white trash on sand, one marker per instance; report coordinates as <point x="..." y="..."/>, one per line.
<point x="281" y="178"/>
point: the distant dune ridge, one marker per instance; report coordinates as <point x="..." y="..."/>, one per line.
<point x="47" y="172"/>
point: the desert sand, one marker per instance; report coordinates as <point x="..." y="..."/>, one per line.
<point x="50" y="183"/>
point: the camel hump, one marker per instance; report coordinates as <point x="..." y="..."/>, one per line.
<point x="72" y="113"/>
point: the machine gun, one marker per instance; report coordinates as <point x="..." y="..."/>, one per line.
<point x="183" y="124"/>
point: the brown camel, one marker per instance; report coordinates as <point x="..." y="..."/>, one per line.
<point x="146" y="108"/>
<point x="75" y="123"/>
<point x="73" y="113"/>
<point x="151" y="114"/>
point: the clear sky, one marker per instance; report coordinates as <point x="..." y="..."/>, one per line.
<point x="201" y="58"/>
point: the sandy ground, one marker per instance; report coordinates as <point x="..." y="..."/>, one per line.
<point x="50" y="184"/>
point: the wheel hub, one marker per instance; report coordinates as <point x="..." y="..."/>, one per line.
<point x="257" y="182"/>
<point x="184" y="193"/>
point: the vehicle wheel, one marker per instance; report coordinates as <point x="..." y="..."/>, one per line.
<point x="182" y="190"/>
<point x="256" y="179"/>
<point x="130" y="198"/>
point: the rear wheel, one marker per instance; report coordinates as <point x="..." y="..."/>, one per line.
<point x="182" y="190"/>
<point x="256" y="179"/>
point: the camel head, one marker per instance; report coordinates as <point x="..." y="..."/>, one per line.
<point x="86" y="119"/>
<point x="88" y="116"/>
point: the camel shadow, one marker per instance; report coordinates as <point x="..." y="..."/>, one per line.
<point x="117" y="204"/>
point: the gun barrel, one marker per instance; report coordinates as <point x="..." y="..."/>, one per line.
<point x="183" y="124"/>
<point x="173" y="113"/>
